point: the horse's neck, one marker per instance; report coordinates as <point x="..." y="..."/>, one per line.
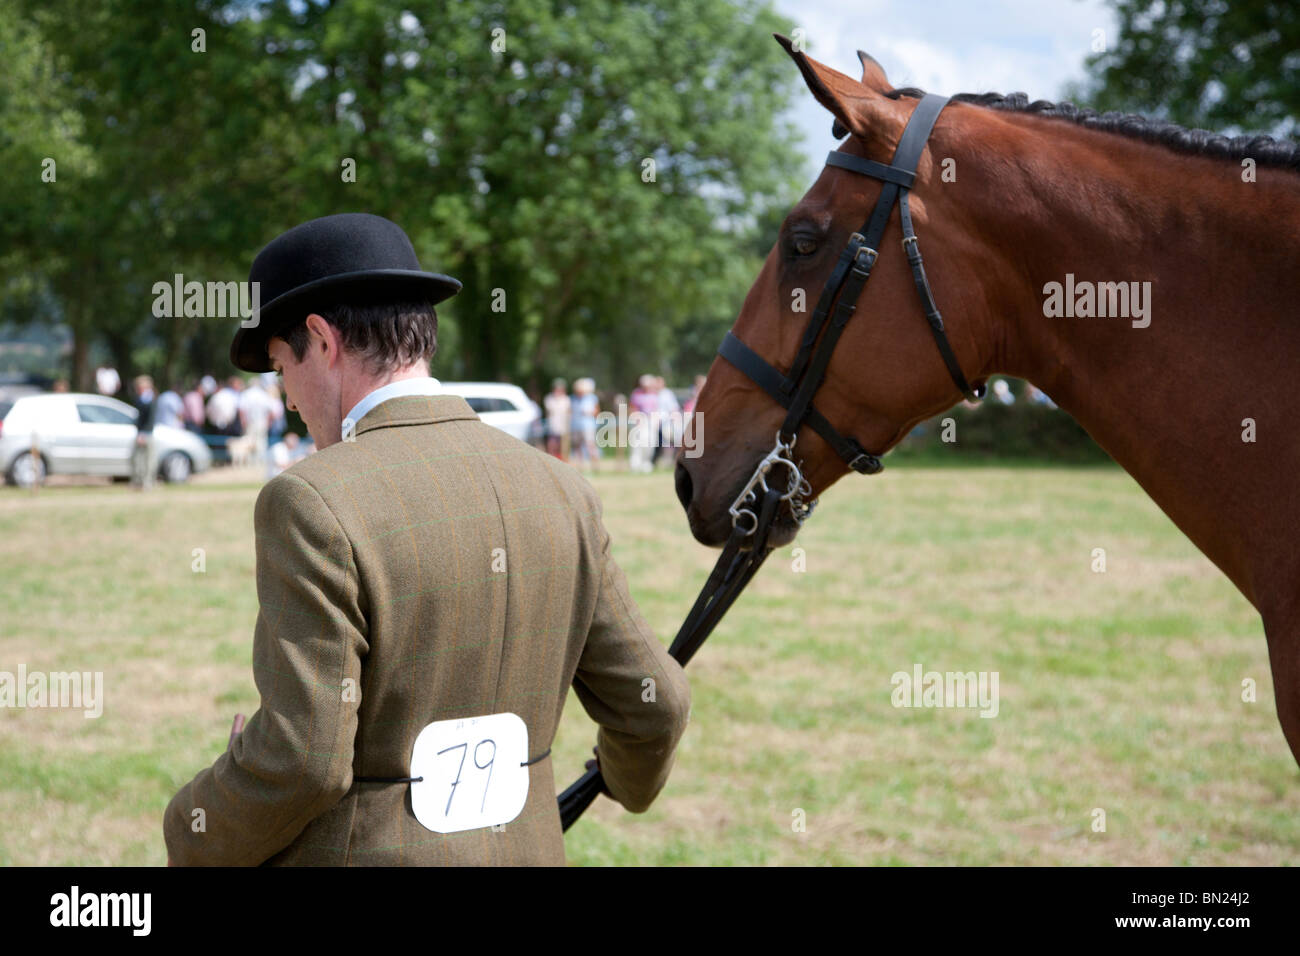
<point x="1174" y="401"/>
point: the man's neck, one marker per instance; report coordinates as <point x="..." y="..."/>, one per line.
<point x="354" y="390"/>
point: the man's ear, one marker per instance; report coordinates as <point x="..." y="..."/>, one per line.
<point x="859" y="107"/>
<point x="324" y="336"/>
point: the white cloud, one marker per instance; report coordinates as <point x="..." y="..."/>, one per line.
<point x="949" y="46"/>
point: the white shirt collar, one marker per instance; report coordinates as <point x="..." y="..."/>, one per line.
<point x="407" y="386"/>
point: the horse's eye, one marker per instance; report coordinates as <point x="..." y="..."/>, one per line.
<point x="803" y="246"/>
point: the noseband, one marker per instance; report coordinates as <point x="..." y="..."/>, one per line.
<point x="777" y="480"/>
<point x="794" y="391"/>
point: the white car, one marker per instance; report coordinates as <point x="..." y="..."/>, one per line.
<point x="502" y="406"/>
<point x="83" y="434"/>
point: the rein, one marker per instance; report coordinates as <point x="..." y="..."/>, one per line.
<point x="755" y="509"/>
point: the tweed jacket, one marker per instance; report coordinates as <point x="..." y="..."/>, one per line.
<point x="431" y="567"/>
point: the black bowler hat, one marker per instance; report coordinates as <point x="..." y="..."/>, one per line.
<point x="350" y="257"/>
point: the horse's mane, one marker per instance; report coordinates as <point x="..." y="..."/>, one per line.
<point x="1265" y="150"/>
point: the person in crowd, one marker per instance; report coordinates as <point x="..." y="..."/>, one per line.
<point x="107" y="381"/>
<point x="643" y="431"/>
<point x="586" y="406"/>
<point x="537" y="427"/>
<point x="284" y="453"/>
<point x="694" y="397"/>
<point x="558" y="412"/>
<point x="1002" y="392"/>
<point x="170" y="409"/>
<point x="223" y="407"/>
<point x="143" y="463"/>
<point x="255" y="410"/>
<point x="688" y="410"/>
<point x="620" y="453"/>
<point x="1037" y="396"/>
<point x="670" y="424"/>
<point x="194" y="401"/>
<point x="279" y="420"/>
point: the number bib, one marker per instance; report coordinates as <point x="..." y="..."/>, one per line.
<point x="474" y="772"/>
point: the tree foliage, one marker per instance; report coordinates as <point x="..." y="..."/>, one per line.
<point x="1209" y="64"/>
<point x="514" y="141"/>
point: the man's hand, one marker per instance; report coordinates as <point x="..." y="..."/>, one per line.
<point x="595" y="763"/>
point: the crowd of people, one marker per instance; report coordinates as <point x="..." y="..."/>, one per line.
<point x="572" y="432"/>
<point x="249" y="415"/>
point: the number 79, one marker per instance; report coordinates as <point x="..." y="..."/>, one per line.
<point x="464" y="750"/>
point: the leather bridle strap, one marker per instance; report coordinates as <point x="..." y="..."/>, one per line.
<point x="770" y="380"/>
<point x="794" y="391"/>
<point x="931" y="310"/>
<point x="733" y="570"/>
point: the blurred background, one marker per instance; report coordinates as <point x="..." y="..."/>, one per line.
<point x="605" y="177"/>
<point x="511" y="141"/>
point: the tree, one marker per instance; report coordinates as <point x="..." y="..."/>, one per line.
<point x="39" y="130"/>
<point x="1203" y="63"/>
<point x="583" y="168"/>
<point x="589" y="170"/>
<point x="168" y="171"/>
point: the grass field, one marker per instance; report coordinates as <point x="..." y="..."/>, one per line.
<point x="1119" y="691"/>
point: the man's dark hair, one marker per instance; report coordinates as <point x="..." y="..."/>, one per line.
<point x="385" y="336"/>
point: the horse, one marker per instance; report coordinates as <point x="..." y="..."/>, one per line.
<point x="1021" y="208"/>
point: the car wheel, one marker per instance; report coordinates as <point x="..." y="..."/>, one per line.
<point x="176" y="467"/>
<point x="27" y="470"/>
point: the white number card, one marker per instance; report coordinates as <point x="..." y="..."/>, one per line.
<point x="474" y="772"/>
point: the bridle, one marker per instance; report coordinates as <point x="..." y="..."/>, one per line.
<point x="794" y="391"/>
<point x="755" y="509"/>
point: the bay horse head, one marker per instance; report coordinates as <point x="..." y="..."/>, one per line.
<point x="885" y="374"/>
<point x="1052" y="235"/>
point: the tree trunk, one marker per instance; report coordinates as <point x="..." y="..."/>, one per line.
<point x="82" y="377"/>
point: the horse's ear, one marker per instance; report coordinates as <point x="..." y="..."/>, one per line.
<point x="857" y="109"/>
<point x="873" y="74"/>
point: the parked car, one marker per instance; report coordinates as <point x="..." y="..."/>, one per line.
<point x="502" y="406"/>
<point x="83" y="434"/>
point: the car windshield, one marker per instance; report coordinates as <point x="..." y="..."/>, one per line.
<point x="4" y="409"/>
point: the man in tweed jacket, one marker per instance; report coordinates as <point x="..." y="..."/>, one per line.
<point x="421" y="567"/>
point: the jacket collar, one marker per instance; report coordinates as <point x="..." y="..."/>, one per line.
<point x="418" y="385"/>
<point x="416" y="410"/>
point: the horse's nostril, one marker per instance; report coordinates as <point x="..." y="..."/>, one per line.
<point x="684" y="489"/>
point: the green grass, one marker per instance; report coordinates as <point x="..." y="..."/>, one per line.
<point x="1119" y="691"/>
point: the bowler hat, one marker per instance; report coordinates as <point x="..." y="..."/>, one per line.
<point x="352" y="257"/>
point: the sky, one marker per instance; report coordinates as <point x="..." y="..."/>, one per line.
<point x="947" y="46"/>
